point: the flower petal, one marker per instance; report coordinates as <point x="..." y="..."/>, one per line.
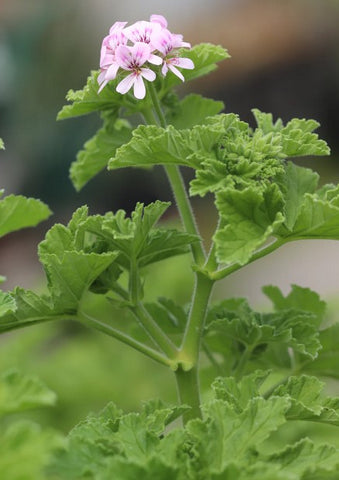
<point x="155" y="59"/>
<point x="176" y="71"/>
<point x="117" y="26"/>
<point x="139" y="88"/>
<point x="148" y="74"/>
<point x="126" y="84"/>
<point x="123" y="57"/>
<point x="141" y="52"/>
<point x="112" y="71"/>
<point x="159" y="19"/>
<point x="183" y="63"/>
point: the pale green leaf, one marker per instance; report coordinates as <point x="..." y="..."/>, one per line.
<point x="26" y="450"/>
<point x="249" y="218"/>
<point x="7" y="303"/>
<point x="299" y="298"/>
<point x="2" y="145"/>
<point x="18" y="212"/>
<point x="22" y="392"/>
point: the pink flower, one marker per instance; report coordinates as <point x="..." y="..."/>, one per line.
<point x="142" y="31"/>
<point x="167" y="44"/>
<point x="159" y="19"/>
<point x="132" y="59"/>
<point x="108" y="64"/>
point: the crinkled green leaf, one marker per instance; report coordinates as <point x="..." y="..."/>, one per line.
<point x="25" y="451"/>
<point x="89" y="100"/>
<point x="98" y="150"/>
<point x="318" y="217"/>
<point x="122" y="469"/>
<point x="299" y="298"/>
<point x="297" y="181"/>
<point x="307" y="402"/>
<point x="239" y="393"/>
<point x="249" y="218"/>
<point x="151" y="145"/>
<point x="22" y="392"/>
<point x="298" y="138"/>
<point x="305" y="459"/>
<point x="193" y="110"/>
<point x="7" y="303"/>
<point x="327" y="361"/>
<point x="31" y="309"/>
<point x="18" y="212"/>
<point x="225" y="437"/>
<point x="71" y="276"/>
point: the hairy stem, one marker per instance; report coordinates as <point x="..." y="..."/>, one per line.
<point x="92" y="322"/>
<point x="154" y="331"/>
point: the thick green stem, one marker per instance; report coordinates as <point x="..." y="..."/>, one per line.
<point x="189" y="392"/>
<point x="92" y="322"/>
<point x="189" y="351"/>
<point x="154" y="331"/>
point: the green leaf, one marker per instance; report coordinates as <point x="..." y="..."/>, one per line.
<point x="170" y="317"/>
<point x="296" y="183"/>
<point x="318" y="217"/>
<point x="7" y="303"/>
<point x="327" y="361"/>
<point x="307" y="402"/>
<point x="25" y="451"/>
<point x="249" y="218"/>
<point x="98" y="150"/>
<point x="2" y="145"/>
<point x="239" y="394"/>
<point x="193" y="110"/>
<point x="89" y="100"/>
<point x="22" y="392"/>
<point x="226" y="437"/>
<point x="299" y="298"/>
<point x="18" y="212"/>
<point x="123" y="469"/>
<point x="298" y="138"/>
<point x="31" y="309"/>
<point x="70" y="277"/>
<point x="305" y="458"/>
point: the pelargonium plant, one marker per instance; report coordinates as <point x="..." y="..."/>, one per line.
<point x="268" y="368"/>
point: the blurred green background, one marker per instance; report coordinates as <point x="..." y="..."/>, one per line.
<point x="285" y="59"/>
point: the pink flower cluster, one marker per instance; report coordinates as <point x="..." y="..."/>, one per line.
<point x="135" y="48"/>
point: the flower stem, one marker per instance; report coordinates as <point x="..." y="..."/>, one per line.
<point x="92" y="322"/>
<point x="154" y="331"/>
<point x="224" y="272"/>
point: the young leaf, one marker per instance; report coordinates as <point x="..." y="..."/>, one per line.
<point x="18" y="212"/>
<point x="22" y="392"/>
